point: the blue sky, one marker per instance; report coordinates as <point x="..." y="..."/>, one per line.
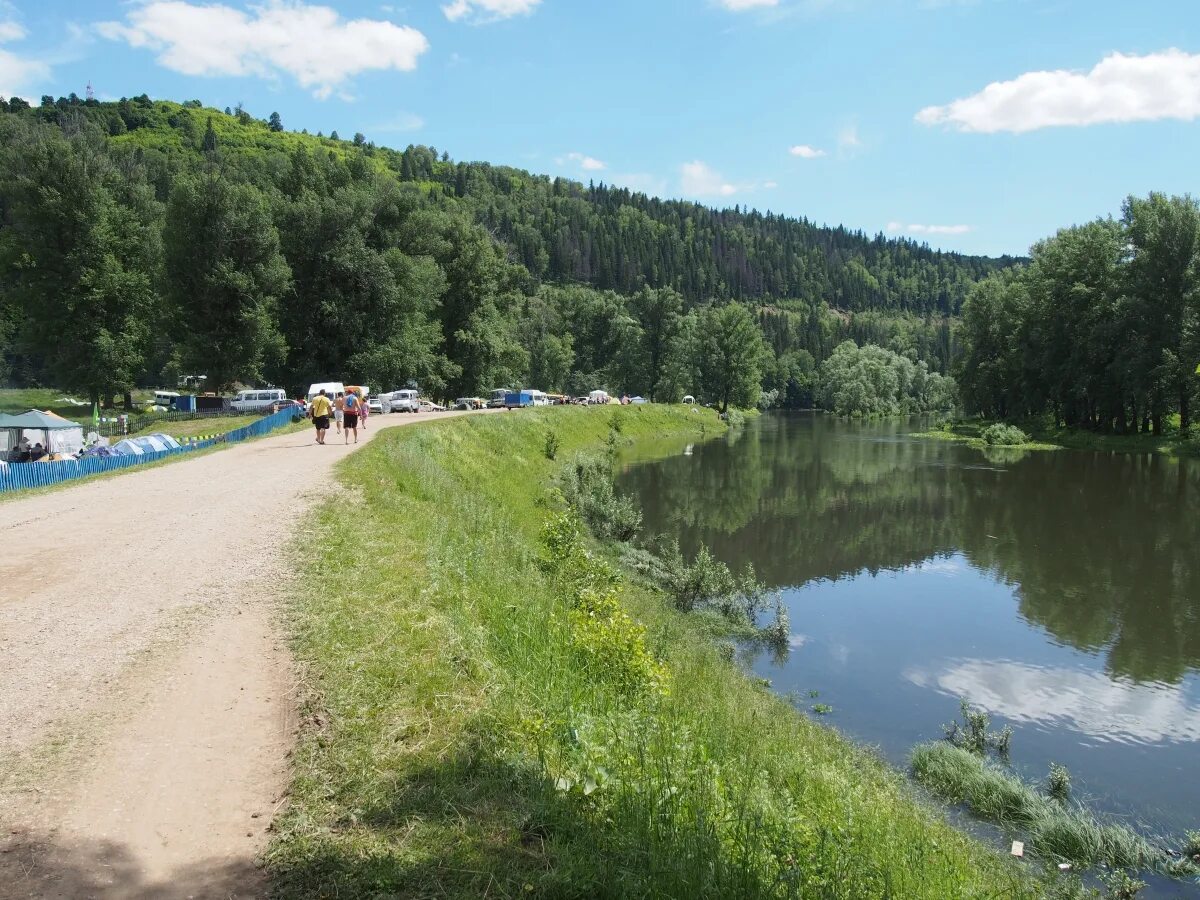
<point x="977" y="125"/>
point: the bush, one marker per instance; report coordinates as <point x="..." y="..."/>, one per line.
<point x="1001" y="435"/>
<point x="587" y="485"/>
<point x="553" y="442"/>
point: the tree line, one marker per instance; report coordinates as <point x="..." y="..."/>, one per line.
<point x="1101" y="330"/>
<point x="141" y="241"/>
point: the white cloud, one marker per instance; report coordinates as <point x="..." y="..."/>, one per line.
<point x="404" y="121"/>
<point x="642" y="182"/>
<point x="770" y="185"/>
<point x="310" y="43"/>
<point x="481" y="11"/>
<point x="895" y="227"/>
<point x="848" y="138"/>
<point x="17" y="72"/>
<point x="587" y="163"/>
<point x="1090" y="703"/>
<point x="806" y="152"/>
<point x="1119" y="88"/>
<point x="701" y="180"/>
<point x="743" y="5"/>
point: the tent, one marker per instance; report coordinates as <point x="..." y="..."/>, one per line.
<point x="598" y="397"/>
<point x="56" y="434"/>
<point x="149" y="443"/>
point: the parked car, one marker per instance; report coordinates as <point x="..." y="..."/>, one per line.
<point x="430" y="406"/>
<point x="468" y="403"/>
<point x="401" y="401"/>
<point x="375" y="405"/>
<point x="279" y="405"/>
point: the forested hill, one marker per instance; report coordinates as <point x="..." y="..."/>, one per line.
<point x="485" y="267"/>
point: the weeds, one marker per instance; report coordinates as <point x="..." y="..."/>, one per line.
<point x="972" y="733"/>
<point x="1058" y="784"/>
<point x="1049" y="828"/>
<point x="553" y="442"/>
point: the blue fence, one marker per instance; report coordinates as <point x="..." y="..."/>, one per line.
<point x="22" y="476"/>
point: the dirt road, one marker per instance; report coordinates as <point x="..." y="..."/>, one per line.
<point x="146" y="693"/>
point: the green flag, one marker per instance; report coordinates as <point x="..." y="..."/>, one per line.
<point x="96" y="416"/>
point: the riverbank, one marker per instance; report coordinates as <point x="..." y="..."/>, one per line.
<point x="1043" y="437"/>
<point x="457" y="740"/>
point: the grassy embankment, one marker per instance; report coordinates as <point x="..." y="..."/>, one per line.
<point x="483" y="719"/>
<point x="1047" y="437"/>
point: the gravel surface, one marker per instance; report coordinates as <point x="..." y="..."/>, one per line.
<point x="146" y="695"/>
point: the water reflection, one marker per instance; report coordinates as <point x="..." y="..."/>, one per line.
<point x="1102" y="550"/>
<point x="1087" y="702"/>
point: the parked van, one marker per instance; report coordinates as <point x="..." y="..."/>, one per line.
<point x="331" y="388"/>
<point x="253" y="401"/>
<point x="165" y="399"/>
<point x="401" y="401"/>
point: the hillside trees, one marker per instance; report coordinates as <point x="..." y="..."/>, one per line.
<point x="79" y="254"/>
<point x="219" y="242"/>
<point x="224" y="274"/>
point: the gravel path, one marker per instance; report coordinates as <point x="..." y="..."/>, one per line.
<point x="146" y="695"/>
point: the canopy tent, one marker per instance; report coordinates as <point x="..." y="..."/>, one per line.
<point x="598" y="396"/>
<point x="56" y="434"/>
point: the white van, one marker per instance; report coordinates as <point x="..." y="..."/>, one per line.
<point x="253" y="401"/>
<point x="401" y="401"/>
<point x="331" y="389"/>
<point x="165" y="399"/>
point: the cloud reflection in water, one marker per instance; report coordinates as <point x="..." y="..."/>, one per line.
<point x="1088" y="702"/>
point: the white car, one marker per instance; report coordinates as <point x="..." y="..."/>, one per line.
<point x="375" y="405"/>
<point x="401" y="401"/>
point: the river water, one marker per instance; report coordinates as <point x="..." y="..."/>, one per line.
<point x="1059" y="591"/>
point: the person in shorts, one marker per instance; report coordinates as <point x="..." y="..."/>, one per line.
<point x="339" y="411"/>
<point x="320" y="410"/>
<point x="351" y="407"/>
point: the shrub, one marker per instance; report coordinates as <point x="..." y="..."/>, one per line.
<point x="1002" y="435"/>
<point x="553" y="442"/>
<point x="1058" y="785"/>
<point x="972" y="733"/>
<point x="735" y="418"/>
<point x="587" y="485"/>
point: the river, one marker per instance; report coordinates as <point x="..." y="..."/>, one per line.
<point x="1057" y="590"/>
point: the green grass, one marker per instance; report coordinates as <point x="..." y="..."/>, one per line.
<point x="19" y="400"/>
<point x="1058" y="831"/>
<point x="1048" y="437"/>
<point x="194" y="427"/>
<point x="470" y="730"/>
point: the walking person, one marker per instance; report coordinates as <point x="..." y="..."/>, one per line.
<point x="320" y="410"/>
<point x="364" y="410"/>
<point x="350" y="410"/>
<point x="339" y="411"/>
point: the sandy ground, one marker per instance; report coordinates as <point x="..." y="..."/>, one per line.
<point x="146" y="693"/>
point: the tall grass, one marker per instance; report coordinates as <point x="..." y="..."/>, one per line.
<point x="493" y="711"/>
<point x="1050" y="827"/>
